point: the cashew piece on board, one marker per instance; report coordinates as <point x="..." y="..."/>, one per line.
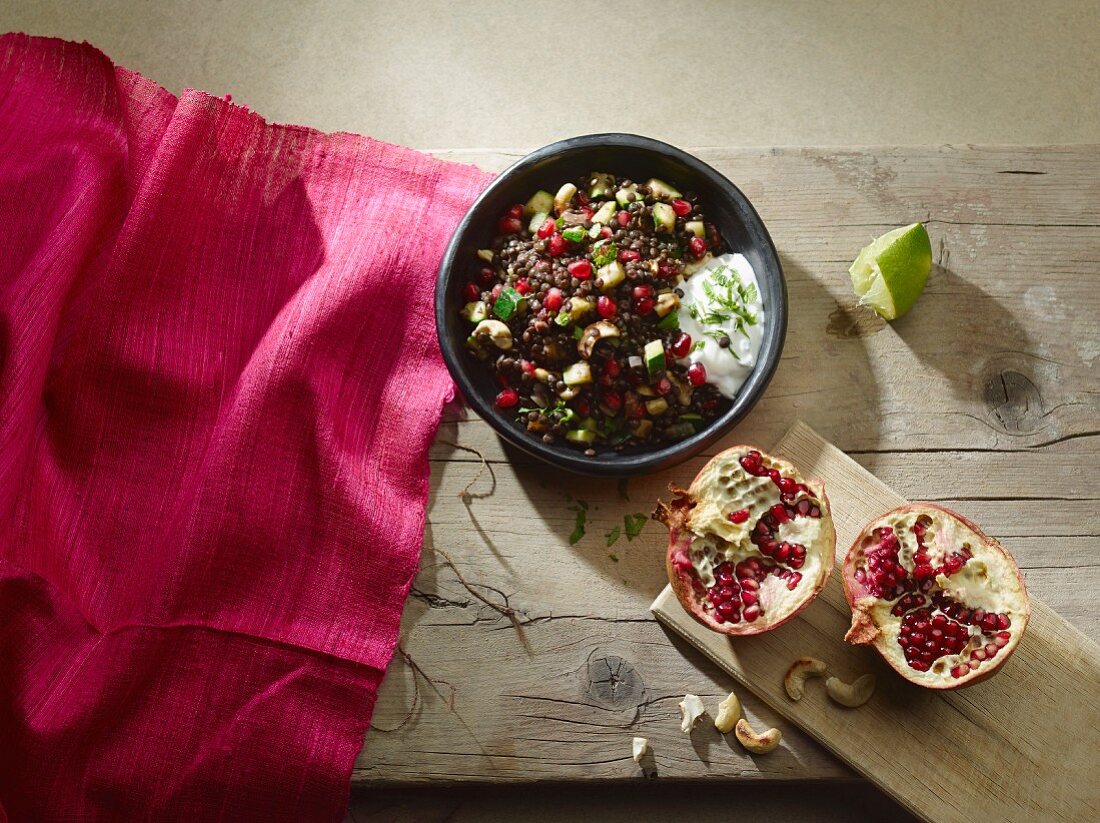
<point x="851" y="694"/>
<point x="691" y="708"/>
<point x="757" y="743"/>
<point x="729" y="712"/>
<point x="638" y="749"/>
<point x="802" y="669"/>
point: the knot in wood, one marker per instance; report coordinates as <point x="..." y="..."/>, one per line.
<point x="613" y="683"/>
<point x="1014" y="401"/>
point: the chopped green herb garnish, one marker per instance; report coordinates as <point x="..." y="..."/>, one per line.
<point x="634" y="523"/>
<point x="574" y="234"/>
<point x="508" y="302"/>
<point x="614" y="557"/>
<point x="604" y="252"/>
<point x="578" y="527"/>
<point x="728" y="303"/>
<point x="578" y="332"/>
<point x="612" y="536"/>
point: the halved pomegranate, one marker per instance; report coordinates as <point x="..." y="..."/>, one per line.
<point x="943" y="603"/>
<point x="750" y="544"/>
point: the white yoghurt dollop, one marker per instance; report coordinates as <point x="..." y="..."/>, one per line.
<point x="723" y="298"/>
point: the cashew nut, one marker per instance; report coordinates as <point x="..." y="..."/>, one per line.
<point x="691" y="709"/>
<point x="593" y="334"/>
<point x="797" y="674"/>
<point x="495" y="331"/>
<point x="729" y="712"/>
<point x="639" y="748"/>
<point x="851" y="694"/>
<point x="757" y="743"/>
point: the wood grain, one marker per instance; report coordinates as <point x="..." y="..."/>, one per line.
<point x="985" y="397"/>
<point x="1021" y="746"/>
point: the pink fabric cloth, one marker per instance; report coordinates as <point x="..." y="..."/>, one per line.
<point x="218" y="383"/>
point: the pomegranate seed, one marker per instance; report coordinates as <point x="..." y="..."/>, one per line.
<point x="556" y="245"/>
<point x="612" y="367"/>
<point x="739" y="516"/>
<point x="527" y="367"/>
<point x="624" y="218"/>
<point x="681" y="345"/>
<point x="485" y="276"/>
<point x="581" y="269"/>
<point x="1001" y="639"/>
<point x="751" y="613"/>
<point x="606" y="307"/>
<point x="666" y="269"/>
<point x="779" y="512"/>
<point x="613" y="400"/>
<point x="697" y="374"/>
<point x="644" y="290"/>
<point x="698" y="247"/>
<point x="516" y="211"/>
<point x="629" y="256"/>
<point x="523" y="287"/>
<point x="1003" y="621"/>
<point x="726" y="609"/>
<point x="681" y="207"/>
<point x="748" y="598"/>
<point x="783" y="552"/>
<point x="547" y="229"/>
<point x="553" y="299"/>
<point x="471" y="292"/>
<point x="497" y="289"/>
<point x="510" y="225"/>
<point x="507" y="398"/>
<point x="664" y="386"/>
<point x="605" y="232"/>
<point x="643" y="306"/>
<point x="583" y="408"/>
<point x="788" y="485"/>
<point x="793" y="581"/>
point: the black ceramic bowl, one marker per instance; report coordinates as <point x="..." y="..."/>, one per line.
<point x="638" y="158"/>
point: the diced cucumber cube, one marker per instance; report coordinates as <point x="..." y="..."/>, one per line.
<point x="476" y="311"/>
<point x="664" y="218"/>
<point x="654" y="354"/>
<point x="696" y="227"/>
<point x="537" y="219"/>
<point x="599" y="184"/>
<point x="661" y="189"/>
<point x="574" y="234"/>
<point x="611" y="275"/>
<point x="584" y="436"/>
<point x="577" y="374"/>
<point x="604" y="213"/>
<point x="657" y="406"/>
<point x="540" y="201"/>
<point x="627" y="195"/>
<point x="486" y="255"/>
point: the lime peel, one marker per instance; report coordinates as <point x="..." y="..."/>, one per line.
<point x="890" y="273"/>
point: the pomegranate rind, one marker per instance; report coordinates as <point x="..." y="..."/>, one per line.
<point x="868" y="626"/>
<point x="692" y="512"/>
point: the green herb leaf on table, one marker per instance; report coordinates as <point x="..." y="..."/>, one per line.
<point x="633" y="524"/>
<point x="612" y="536"/>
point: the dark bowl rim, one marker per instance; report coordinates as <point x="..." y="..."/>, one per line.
<point x="608" y="464"/>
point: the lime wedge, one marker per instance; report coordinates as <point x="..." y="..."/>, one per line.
<point x="889" y="275"/>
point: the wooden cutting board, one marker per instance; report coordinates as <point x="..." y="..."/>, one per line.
<point x="1023" y="745"/>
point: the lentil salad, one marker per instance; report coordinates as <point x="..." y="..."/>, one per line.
<point x="574" y="307"/>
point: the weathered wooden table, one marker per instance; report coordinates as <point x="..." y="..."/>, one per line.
<point x="986" y="397"/>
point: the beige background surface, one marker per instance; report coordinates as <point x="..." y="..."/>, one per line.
<point x="744" y="72"/>
<point x="455" y="74"/>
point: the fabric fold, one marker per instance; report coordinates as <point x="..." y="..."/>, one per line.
<point x="219" y="380"/>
